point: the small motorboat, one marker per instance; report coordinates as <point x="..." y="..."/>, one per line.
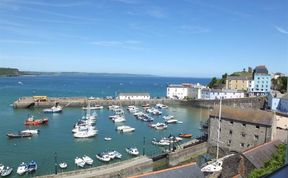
<point x="32" y="166"/>
<point x="116" y="154"/>
<point x="132" y="151"/>
<point x="185" y="135"/>
<point x="162" y="142"/>
<point x="107" y="138"/>
<point x="171" y="121"/>
<point x="22" y="169"/>
<point x="19" y="135"/>
<point x="6" y="171"/>
<point x="103" y="157"/>
<point x="87" y="160"/>
<point x="79" y="162"/>
<point x="31" y="131"/>
<point x="53" y="109"/>
<point x="85" y="134"/>
<point x="126" y="130"/>
<point x="63" y="165"/>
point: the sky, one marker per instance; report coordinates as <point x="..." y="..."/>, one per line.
<point x="183" y="38"/>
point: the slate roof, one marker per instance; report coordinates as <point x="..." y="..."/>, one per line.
<point x="244" y="115"/>
<point x="260" y="154"/>
<point x="261" y="69"/>
<point x="186" y="171"/>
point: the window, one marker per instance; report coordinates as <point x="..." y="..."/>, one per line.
<point x="244" y="125"/>
<point x="231" y="122"/>
<point x="242" y="144"/>
<point x="257" y="126"/>
<point x="243" y="134"/>
<point x="256" y="137"/>
<point x="230" y="132"/>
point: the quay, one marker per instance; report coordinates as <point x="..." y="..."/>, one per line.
<point x="139" y="165"/>
<point x="30" y="102"/>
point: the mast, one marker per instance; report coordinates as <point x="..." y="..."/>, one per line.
<point x="218" y="132"/>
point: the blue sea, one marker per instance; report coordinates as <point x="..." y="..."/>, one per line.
<point x="57" y="137"/>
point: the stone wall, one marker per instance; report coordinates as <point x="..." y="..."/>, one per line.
<point x="182" y="155"/>
<point x="126" y="168"/>
<point x="253" y="102"/>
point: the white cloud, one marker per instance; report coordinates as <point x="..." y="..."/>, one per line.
<point x="281" y="30"/>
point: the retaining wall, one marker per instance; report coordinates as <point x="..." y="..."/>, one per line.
<point x="252" y="102"/>
<point x="181" y="155"/>
<point x="126" y="168"/>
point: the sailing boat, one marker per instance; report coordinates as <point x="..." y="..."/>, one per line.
<point x="216" y="165"/>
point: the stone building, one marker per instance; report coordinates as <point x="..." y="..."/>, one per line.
<point x="241" y="129"/>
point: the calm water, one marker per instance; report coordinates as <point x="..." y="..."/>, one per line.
<point x="57" y="136"/>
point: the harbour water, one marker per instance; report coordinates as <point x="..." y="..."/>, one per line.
<point x="57" y="137"/>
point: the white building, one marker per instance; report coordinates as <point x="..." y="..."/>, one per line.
<point x="134" y="96"/>
<point x="212" y="94"/>
<point x="184" y="90"/>
<point x="196" y="91"/>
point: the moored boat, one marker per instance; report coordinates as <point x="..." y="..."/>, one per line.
<point x="32" y="166"/>
<point x="19" y="135"/>
<point x="63" y="165"/>
<point x="22" y="169"/>
<point x="32" y="121"/>
<point x="87" y="160"/>
<point x="85" y="134"/>
<point x="31" y="131"/>
<point x="1" y="167"/>
<point x="79" y="162"/>
<point x="107" y="138"/>
<point x="171" y="121"/>
<point x="103" y="157"/>
<point x="116" y="154"/>
<point x="6" y="171"/>
<point x="132" y="151"/>
<point x="185" y="135"/>
<point x="53" y="109"/>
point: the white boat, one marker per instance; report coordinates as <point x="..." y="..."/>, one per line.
<point x="119" y="128"/>
<point x="31" y="131"/>
<point x="168" y="117"/>
<point x="126" y="130"/>
<point x="132" y="151"/>
<point x="161" y="106"/>
<point x="113" y="107"/>
<point x="103" y="157"/>
<point x="214" y="167"/>
<point x="85" y="134"/>
<point x="6" y="171"/>
<point x="63" y="165"/>
<point x="111" y="154"/>
<point x="119" y="119"/>
<point x="83" y="128"/>
<point x="22" y="169"/>
<point x="79" y="162"/>
<point x="159" y="126"/>
<point x="87" y="160"/>
<point x="171" y="121"/>
<point x="53" y="109"/>
<point x="96" y="107"/>
<point x="107" y="138"/>
<point x="1" y="167"/>
<point x="161" y="142"/>
<point x="116" y="154"/>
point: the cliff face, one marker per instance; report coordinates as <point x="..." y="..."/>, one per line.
<point x="9" y="72"/>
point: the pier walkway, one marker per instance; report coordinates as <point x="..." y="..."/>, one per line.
<point x="29" y="102"/>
